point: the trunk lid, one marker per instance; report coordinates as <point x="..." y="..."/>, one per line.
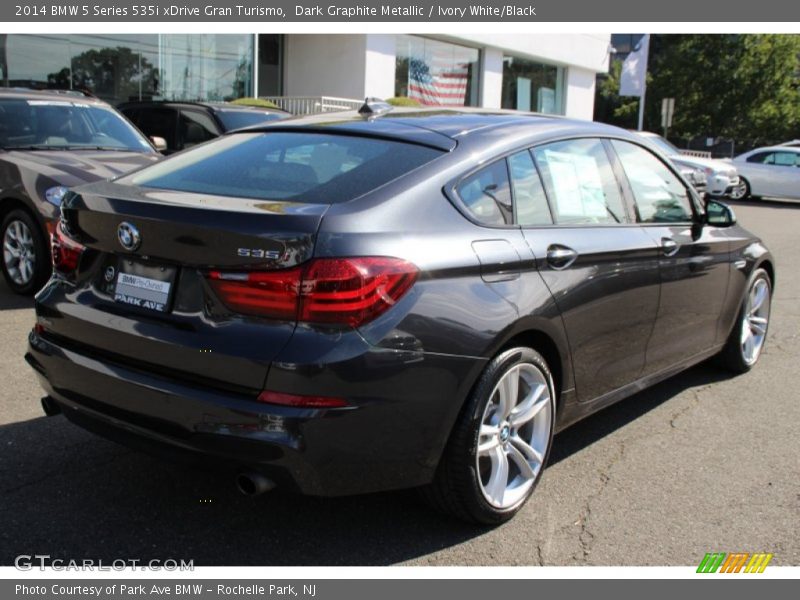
<point x="186" y="332"/>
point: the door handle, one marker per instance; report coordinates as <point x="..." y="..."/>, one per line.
<point x="669" y="246"/>
<point x="560" y="257"/>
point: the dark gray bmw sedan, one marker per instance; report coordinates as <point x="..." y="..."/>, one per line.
<point x="367" y="301"/>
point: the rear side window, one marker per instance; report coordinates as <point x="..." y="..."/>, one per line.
<point x="160" y="122"/>
<point x="659" y="194"/>
<point x="196" y="128"/>
<point x="309" y="167"/>
<point x="486" y="194"/>
<point x="581" y="182"/>
<point x="781" y="159"/>
<point x="761" y="158"/>
<point x="529" y="196"/>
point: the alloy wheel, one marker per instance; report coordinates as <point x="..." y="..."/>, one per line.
<point x="740" y="191"/>
<point x="514" y="436"/>
<point x="19" y="252"/>
<point x="755" y="319"/>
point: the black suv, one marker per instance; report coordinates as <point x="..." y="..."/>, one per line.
<point x="50" y="141"/>
<point x="347" y="304"/>
<point x="186" y="124"/>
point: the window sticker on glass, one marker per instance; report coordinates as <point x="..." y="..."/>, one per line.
<point x="577" y="184"/>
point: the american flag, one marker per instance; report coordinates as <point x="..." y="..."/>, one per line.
<point x="439" y="81"/>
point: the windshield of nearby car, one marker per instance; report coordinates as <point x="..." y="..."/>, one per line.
<point x="236" y="119"/>
<point x="311" y="167"/>
<point x="64" y="125"/>
<point x="663" y="145"/>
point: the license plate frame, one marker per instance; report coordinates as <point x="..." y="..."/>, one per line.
<point x="146" y="286"/>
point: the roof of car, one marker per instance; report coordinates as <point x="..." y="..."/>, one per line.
<point x="780" y="148"/>
<point x="210" y="105"/>
<point x="442" y="127"/>
<point x="77" y="96"/>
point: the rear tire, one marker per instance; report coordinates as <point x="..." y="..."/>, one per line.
<point x="25" y="256"/>
<point x="501" y="442"/>
<point x="749" y="334"/>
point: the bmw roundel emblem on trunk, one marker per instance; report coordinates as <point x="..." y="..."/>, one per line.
<point x="128" y="236"/>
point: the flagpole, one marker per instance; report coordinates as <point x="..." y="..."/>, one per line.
<point x="644" y="84"/>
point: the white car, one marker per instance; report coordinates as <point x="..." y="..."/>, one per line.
<point x="721" y="176"/>
<point x="770" y="171"/>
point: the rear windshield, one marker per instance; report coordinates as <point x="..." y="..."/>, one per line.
<point x="238" y="119"/>
<point x="310" y="167"/>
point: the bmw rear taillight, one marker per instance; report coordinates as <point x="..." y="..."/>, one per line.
<point x="344" y="291"/>
<point x="271" y="294"/>
<point x="66" y="252"/>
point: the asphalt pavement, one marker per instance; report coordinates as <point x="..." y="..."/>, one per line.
<point x="702" y="462"/>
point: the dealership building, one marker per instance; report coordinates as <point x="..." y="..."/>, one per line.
<point x="552" y="73"/>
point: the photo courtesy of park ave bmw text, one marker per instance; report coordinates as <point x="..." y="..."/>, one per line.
<point x="397" y="284"/>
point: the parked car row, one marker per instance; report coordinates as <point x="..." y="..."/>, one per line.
<point x="772" y="171"/>
<point x="56" y="139"/>
<point x="375" y="300"/>
<point x="720" y="177"/>
<point x="186" y="124"/>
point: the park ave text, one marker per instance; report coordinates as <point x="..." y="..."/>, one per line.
<point x="301" y="11"/>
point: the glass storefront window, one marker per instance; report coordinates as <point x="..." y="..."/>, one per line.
<point x="270" y="64"/>
<point x="436" y="73"/>
<point x="119" y="68"/>
<point x="532" y="86"/>
<point x="206" y="67"/>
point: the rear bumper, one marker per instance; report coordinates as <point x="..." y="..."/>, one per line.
<point x="390" y="438"/>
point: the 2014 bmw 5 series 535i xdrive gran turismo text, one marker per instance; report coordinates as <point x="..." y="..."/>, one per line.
<point x="375" y="300"/>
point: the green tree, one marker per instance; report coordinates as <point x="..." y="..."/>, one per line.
<point x="740" y="87"/>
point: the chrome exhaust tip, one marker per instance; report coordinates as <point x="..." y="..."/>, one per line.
<point x="253" y="484"/>
<point x="50" y="407"/>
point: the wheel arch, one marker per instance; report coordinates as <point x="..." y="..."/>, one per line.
<point x="548" y="338"/>
<point x="9" y="203"/>
<point x="544" y="345"/>
<point x="769" y="267"/>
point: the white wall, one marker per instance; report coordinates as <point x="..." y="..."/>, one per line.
<point x="380" y="66"/>
<point x="492" y="81"/>
<point x="580" y="93"/>
<point x="357" y="66"/>
<point x="584" y="50"/>
<point x="325" y="65"/>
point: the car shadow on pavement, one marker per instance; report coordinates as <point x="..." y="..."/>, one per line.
<point x="605" y="422"/>
<point x="71" y="495"/>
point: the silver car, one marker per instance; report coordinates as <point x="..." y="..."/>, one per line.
<point x="771" y="171"/>
<point x="721" y="176"/>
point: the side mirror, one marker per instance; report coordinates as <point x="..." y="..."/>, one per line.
<point x="159" y="142"/>
<point x="719" y="214"/>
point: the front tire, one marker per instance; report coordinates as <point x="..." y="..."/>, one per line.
<point x="500" y="443"/>
<point x="741" y="191"/>
<point x="746" y="341"/>
<point x="26" y="258"/>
